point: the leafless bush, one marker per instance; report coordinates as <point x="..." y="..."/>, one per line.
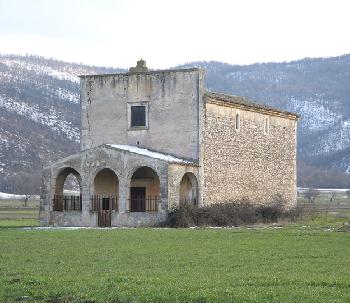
<point x="311" y="194"/>
<point x="231" y="214"/>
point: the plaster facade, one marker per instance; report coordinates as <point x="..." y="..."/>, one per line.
<point x="173" y="101"/>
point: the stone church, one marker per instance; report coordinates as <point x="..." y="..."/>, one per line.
<point x="152" y="140"/>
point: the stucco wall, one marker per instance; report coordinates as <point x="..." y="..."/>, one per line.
<point x="247" y="162"/>
<point x="106" y="182"/>
<point x="173" y="98"/>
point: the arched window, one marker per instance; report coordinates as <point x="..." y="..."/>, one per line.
<point x="237" y="122"/>
<point x="266" y="126"/>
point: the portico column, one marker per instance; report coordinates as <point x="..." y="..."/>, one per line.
<point x="123" y="195"/>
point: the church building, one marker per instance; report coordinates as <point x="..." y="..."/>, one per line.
<point x="152" y="140"/>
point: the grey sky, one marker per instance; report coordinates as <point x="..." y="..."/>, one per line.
<point x="166" y="33"/>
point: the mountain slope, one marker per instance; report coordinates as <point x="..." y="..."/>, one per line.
<point x="40" y="110"/>
<point x="39" y="116"/>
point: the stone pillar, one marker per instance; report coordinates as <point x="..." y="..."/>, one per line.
<point x="45" y="198"/>
<point x="123" y="194"/>
<point x="86" y="192"/>
<point x="163" y="207"/>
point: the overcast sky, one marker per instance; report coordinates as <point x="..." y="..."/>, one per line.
<point x="166" y="33"/>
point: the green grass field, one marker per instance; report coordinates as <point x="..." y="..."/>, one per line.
<point x="304" y="262"/>
<point x="290" y="264"/>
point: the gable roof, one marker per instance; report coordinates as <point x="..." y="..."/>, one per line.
<point x="241" y="101"/>
<point x="149" y="153"/>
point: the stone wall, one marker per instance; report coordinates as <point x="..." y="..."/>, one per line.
<point x="173" y="101"/>
<point x="248" y="162"/>
<point x="88" y="164"/>
<point x="175" y="175"/>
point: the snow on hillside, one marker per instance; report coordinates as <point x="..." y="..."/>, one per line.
<point x="71" y="75"/>
<point x="34" y="113"/>
<point x="315" y="116"/>
<point x="276" y="77"/>
<point x="68" y="95"/>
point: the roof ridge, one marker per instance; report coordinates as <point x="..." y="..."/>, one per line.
<point x="245" y="102"/>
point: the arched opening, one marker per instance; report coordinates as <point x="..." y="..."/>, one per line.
<point x="144" y="190"/>
<point x="189" y="189"/>
<point x="106" y="190"/>
<point x="67" y="195"/>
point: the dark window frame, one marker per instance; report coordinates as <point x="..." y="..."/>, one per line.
<point x="138" y="116"/>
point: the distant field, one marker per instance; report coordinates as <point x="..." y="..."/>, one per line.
<point x="340" y="198"/>
<point x="13" y="213"/>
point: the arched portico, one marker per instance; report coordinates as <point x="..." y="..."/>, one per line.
<point x="144" y="193"/>
<point x="105" y="190"/>
<point x="68" y="189"/>
<point x="188" y="189"/>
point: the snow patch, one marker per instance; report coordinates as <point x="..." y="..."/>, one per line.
<point x="149" y="153"/>
<point x="42" y="69"/>
<point x="11" y="196"/>
<point x="67" y="95"/>
<point x="314" y="115"/>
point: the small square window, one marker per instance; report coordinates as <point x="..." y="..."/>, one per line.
<point x="138" y="116"/>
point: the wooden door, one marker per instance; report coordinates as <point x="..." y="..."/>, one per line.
<point x="104" y="214"/>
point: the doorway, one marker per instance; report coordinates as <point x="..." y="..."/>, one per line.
<point x="138" y="199"/>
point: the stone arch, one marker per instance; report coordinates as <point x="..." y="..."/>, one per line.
<point x="62" y="176"/>
<point x="63" y="201"/>
<point x="188" y="189"/>
<point x="144" y="189"/>
<point x="105" y="181"/>
<point x="136" y="167"/>
<point x="105" y="185"/>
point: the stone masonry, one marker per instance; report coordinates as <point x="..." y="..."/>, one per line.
<point x="248" y="161"/>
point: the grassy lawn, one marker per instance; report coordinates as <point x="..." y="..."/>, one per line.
<point x="290" y="264"/>
<point x="304" y="262"/>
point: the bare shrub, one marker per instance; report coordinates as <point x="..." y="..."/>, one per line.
<point x="230" y="214"/>
<point x="311" y="194"/>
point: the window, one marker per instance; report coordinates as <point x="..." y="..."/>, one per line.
<point x="266" y="126"/>
<point x="237" y="122"/>
<point x="138" y="116"/>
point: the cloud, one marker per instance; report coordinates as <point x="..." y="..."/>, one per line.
<point x="166" y="33"/>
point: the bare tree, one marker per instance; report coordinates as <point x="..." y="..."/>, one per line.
<point x="311" y="194"/>
<point x="332" y="197"/>
<point x="26" y="198"/>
